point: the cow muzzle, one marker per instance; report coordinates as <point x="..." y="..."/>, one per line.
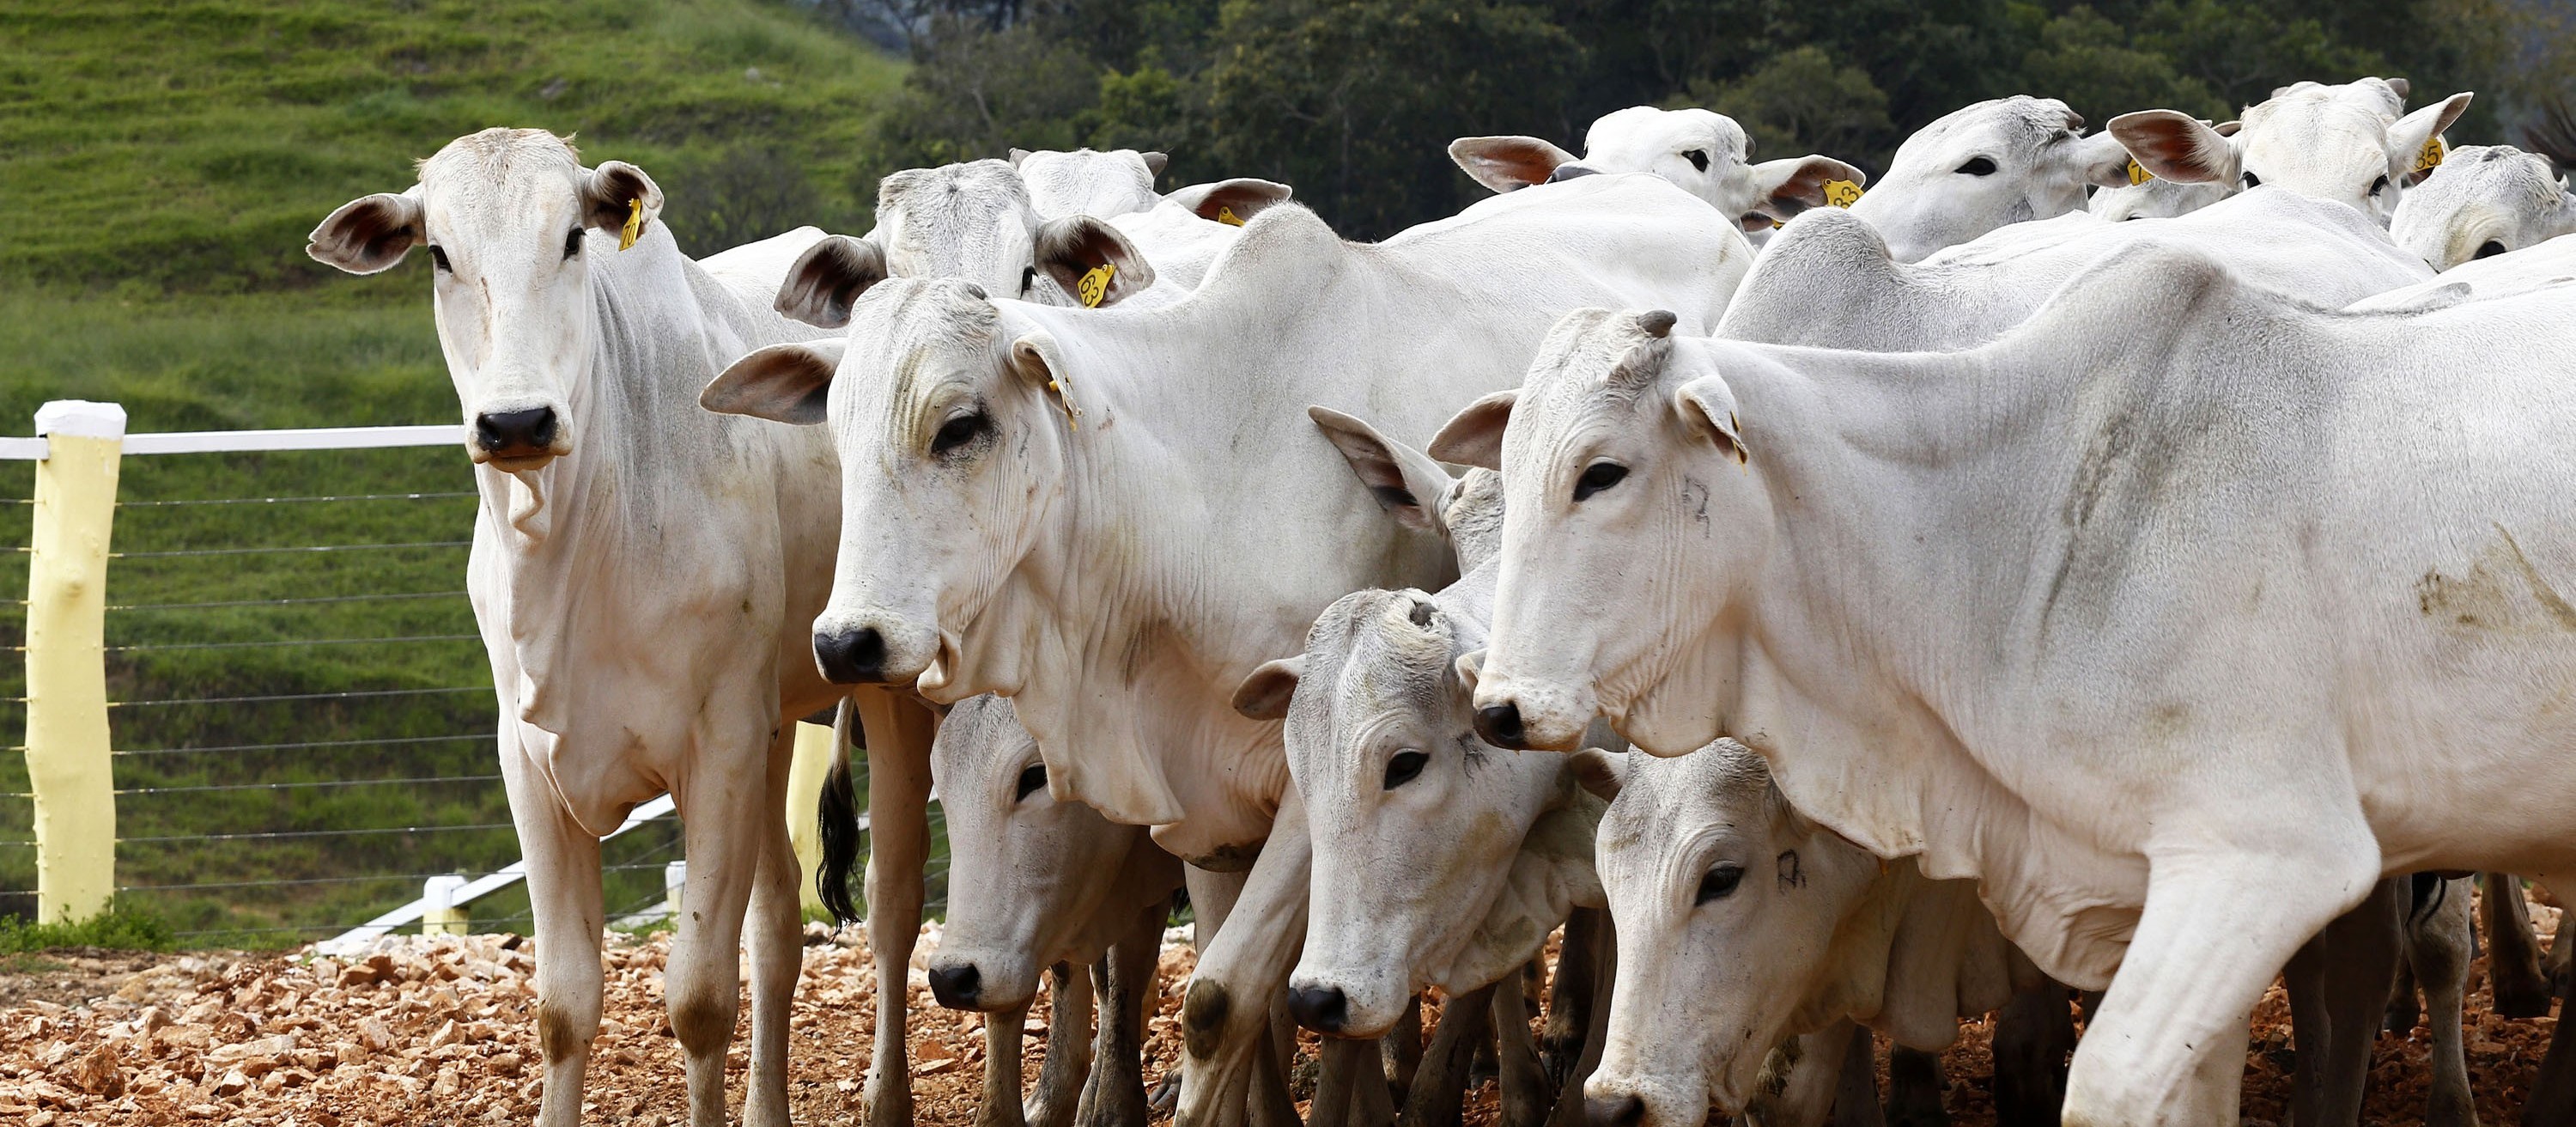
<point x="1323" y="1009"/>
<point x="1522" y="716"/>
<point x="518" y="440"/>
<point x="871" y="649"/>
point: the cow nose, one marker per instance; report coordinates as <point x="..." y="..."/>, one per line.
<point x="1320" y="1008"/>
<point x="851" y="657"/>
<point x="1617" y="1111"/>
<point x="1500" y="725"/>
<point x="515" y="432"/>
<point x="956" y="987"/>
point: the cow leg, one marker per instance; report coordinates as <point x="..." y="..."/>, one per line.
<point x="565" y="899"/>
<point x="777" y="947"/>
<point x="1569" y="997"/>
<point x="1856" y="1088"/>
<point x="1805" y="1071"/>
<point x="2513" y="953"/>
<point x="1526" y="1097"/>
<point x="1914" y="1089"/>
<point x="703" y="982"/>
<point x="2168" y="1045"/>
<point x="1001" y="1106"/>
<point x="1064" y="1076"/>
<point x="1603" y="967"/>
<point x="1400" y="1051"/>
<point x="2403" y="1010"/>
<point x="2338" y="984"/>
<point x="2552" y="1102"/>
<point x="1115" y="1096"/>
<point x="2439" y="935"/>
<point x="1440" y="1089"/>
<point x="2033" y="1037"/>
<point x="1231" y="1067"/>
<point x="1350" y="1087"/>
<point x="898" y="731"/>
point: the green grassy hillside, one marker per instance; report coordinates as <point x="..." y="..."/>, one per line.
<point x="160" y="164"/>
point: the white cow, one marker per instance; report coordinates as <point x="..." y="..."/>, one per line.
<point x="642" y="572"/>
<point x="2544" y="266"/>
<point x="2353" y="144"/>
<point x="1085" y="182"/>
<point x="1706" y="153"/>
<point x="2004" y="161"/>
<point x="1743" y="924"/>
<point x="2172" y="515"/>
<point x="2483" y="201"/>
<point x="1034" y="882"/>
<point x="1829" y="280"/>
<point x="1019" y="456"/>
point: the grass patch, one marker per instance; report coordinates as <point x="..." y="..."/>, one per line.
<point x="120" y="929"/>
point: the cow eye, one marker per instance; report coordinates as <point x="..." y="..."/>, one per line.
<point x="2489" y="249"/>
<point x="2252" y="181"/>
<point x="572" y="244"/>
<point x="1697" y="157"/>
<point x="1597" y="477"/>
<point x="957" y="432"/>
<point x="1977" y="166"/>
<point x="438" y="258"/>
<point x="1719" y="883"/>
<point x="1032" y="780"/>
<point x="2379" y="185"/>
<point x="1404" y="767"/>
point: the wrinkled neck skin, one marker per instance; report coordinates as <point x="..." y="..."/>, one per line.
<point x="640" y="533"/>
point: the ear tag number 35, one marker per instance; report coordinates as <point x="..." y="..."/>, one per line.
<point x="1094" y="284"/>
<point x="1841" y="193"/>
<point x="2431" y="157"/>
<point x="634" y="224"/>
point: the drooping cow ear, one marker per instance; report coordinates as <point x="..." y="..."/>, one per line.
<point x="1474" y="436"/>
<point x="1405" y="481"/>
<point x="1091" y="260"/>
<point x="2411" y="139"/>
<point x="1602" y="772"/>
<point x="1233" y="201"/>
<point x="785" y="383"/>
<point x="1707" y="407"/>
<point x="2103" y="160"/>
<point x="1265" y="692"/>
<point x="2176" y="146"/>
<point x="828" y="278"/>
<point x="369" y="234"/>
<point x="1791" y="185"/>
<point x="616" y="192"/>
<point x="1507" y="163"/>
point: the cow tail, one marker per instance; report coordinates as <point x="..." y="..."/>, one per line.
<point x="2429" y="893"/>
<point x="837" y="817"/>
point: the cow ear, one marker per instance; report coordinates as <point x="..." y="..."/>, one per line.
<point x="1232" y="202"/>
<point x="1155" y="162"/>
<point x="1707" y="407"/>
<point x="2103" y="160"/>
<point x="1091" y="260"/>
<point x="786" y="383"/>
<point x="1474" y="436"/>
<point x="1469" y="667"/>
<point x="2410" y="140"/>
<point x="1791" y="185"/>
<point x="2176" y="146"/>
<point x="828" y="278"/>
<point x="617" y="193"/>
<point x="1036" y="359"/>
<point x="1018" y="155"/>
<point x="1405" y="481"/>
<point x="2400" y="85"/>
<point x="1506" y="163"/>
<point x="1264" y="694"/>
<point x="369" y="234"/>
<point x="1601" y="772"/>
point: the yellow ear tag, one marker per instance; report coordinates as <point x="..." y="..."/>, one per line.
<point x="2137" y="174"/>
<point x="1841" y="193"/>
<point x="1064" y="399"/>
<point x="1094" y="284"/>
<point x="634" y="224"/>
<point x="2431" y="157"/>
<point x="1225" y="215"/>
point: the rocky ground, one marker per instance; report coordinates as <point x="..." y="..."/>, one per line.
<point x="426" y="1031"/>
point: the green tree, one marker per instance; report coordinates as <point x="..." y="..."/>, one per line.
<point x="2089" y="62"/>
<point x="1802" y="102"/>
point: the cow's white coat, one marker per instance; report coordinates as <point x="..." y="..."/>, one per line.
<point x="2484" y="200"/>
<point x="2004" y="161"/>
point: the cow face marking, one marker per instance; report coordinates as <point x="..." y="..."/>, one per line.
<point x="1790" y="877"/>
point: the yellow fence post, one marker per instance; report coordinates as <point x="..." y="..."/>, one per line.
<point x="440" y="914"/>
<point x="67" y="748"/>
<point x="805" y="775"/>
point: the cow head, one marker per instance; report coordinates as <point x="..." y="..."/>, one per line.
<point x="513" y="223"/>
<point x="2346" y="143"/>
<point x="2481" y="202"/>
<point x="951" y="431"/>
<point x="1739" y="923"/>
<point x="1706" y="153"/>
<point x="1027" y="874"/>
<point x="1634" y="517"/>
<point x="1994" y="163"/>
<point x="1084" y="182"/>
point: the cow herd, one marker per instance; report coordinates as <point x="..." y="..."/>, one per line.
<point x="1825" y="606"/>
